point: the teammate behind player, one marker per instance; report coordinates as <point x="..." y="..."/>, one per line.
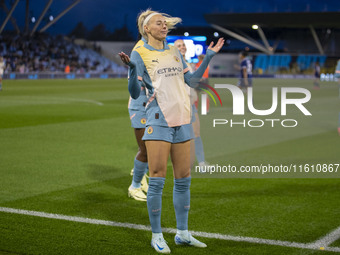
<point x="2" y="69"/>
<point x="192" y="95"/>
<point x="245" y="71"/>
<point x="205" y="77"/>
<point x="198" y="144"/>
<point x="337" y="72"/>
<point x="317" y="75"/>
<point x="137" y="114"/>
<point x="168" y="129"/>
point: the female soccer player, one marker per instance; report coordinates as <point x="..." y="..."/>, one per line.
<point x="137" y="114"/>
<point x="198" y="144"/>
<point x="168" y="131"/>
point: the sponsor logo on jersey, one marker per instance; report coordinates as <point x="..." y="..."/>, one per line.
<point x="176" y="58"/>
<point x="169" y="70"/>
<point x="143" y="121"/>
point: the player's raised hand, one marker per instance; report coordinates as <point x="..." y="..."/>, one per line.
<point x="218" y="45"/>
<point x="125" y="58"/>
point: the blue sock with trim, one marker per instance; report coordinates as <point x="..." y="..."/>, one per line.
<point x="181" y="200"/>
<point x="154" y="202"/>
<point x="199" y="149"/>
<point x="138" y="172"/>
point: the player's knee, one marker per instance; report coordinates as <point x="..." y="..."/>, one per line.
<point x="142" y="156"/>
<point x="157" y="171"/>
<point x="184" y="173"/>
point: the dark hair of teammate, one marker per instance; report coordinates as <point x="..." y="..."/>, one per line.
<point x="244" y="53"/>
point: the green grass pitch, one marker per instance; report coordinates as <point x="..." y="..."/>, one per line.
<point x="66" y="147"/>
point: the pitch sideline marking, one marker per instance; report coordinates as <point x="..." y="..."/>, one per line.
<point x="63" y="99"/>
<point x="327" y="239"/>
<point x="77" y="100"/>
<point x="312" y="246"/>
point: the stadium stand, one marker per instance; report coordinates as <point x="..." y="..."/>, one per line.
<point x="51" y="54"/>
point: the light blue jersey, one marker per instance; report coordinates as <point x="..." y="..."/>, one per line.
<point x="164" y="74"/>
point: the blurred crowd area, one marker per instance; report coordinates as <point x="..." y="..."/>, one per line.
<point x="45" y="53"/>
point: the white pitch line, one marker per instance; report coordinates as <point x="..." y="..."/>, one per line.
<point x="77" y="100"/>
<point x="327" y="239"/>
<point x="168" y="230"/>
<point x="51" y="100"/>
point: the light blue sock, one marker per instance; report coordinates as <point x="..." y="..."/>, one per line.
<point x="138" y="172"/>
<point x="199" y="149"/>
<point x="181" y="199"/>
<point x="154" y="202"/>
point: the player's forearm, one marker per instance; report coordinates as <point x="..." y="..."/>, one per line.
<point x="134" y="84"/>
<point x="192" y="79"/>
<point x="245" y="75"/>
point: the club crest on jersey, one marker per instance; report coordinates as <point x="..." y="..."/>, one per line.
<point x="150" y="130"/>
<point x="143" y="121"/>
<point x="176" y="58"/>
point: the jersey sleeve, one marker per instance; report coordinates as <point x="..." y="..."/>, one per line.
<point x="135" y="74"/>
<point x="185" y="66"/>
<point x="192" y="79"/>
